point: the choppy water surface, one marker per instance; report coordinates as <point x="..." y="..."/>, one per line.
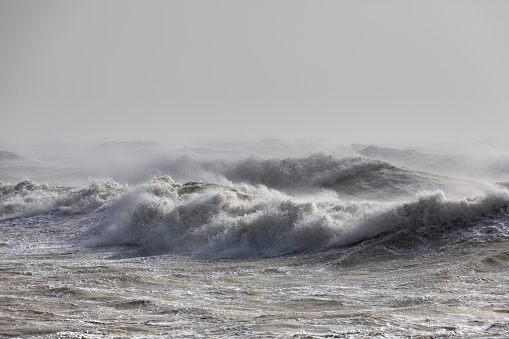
<point x="318" y="246"/>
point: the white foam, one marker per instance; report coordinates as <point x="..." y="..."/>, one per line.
<point x="239" y="220"/>
<point x="27" y="196"/>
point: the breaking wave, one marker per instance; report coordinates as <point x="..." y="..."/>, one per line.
<point x="28" y="197"/>
<point x="212" y="220"/>
<point x="264" y="208"/>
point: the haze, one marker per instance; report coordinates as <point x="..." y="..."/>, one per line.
<point x="184" y="71"/>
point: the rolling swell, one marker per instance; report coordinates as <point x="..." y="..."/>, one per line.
<point x="318" y="170"/>
<point x="434" y="223"/>
<point x="212" y="220"/>
<point x="356" y="177"/>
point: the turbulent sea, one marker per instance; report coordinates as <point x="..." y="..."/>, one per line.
<point x="262" y="240"/>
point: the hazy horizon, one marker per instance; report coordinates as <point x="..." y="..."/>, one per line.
<point x="180" y="72"/>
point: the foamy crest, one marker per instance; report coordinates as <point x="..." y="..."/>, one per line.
<point x="233" y="221"/>
<point x="432" y="210"/>
<point x="217" y="220"/>
<point x="24" y="196"/>
<point x="88" y="198"/>
<point x="27" y="196"/>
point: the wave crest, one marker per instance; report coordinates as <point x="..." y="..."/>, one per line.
<point x="355" y="177"/>
<point x="214" y="220"/>
<point x="28" y="196"/>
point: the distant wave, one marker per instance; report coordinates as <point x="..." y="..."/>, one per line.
<point x="318" y="170"/>
<point x="355" y="176"/>
<point x="490" y="163"/>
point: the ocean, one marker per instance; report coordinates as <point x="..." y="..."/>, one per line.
<point x="254" y="240"/>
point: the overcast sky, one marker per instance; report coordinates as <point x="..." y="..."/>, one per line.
<point x="184" y="71"/>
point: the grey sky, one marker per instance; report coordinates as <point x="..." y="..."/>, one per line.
<point x="182" y="71"/>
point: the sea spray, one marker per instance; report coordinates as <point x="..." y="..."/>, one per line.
<point x="30" y="197"/>
<point x="214" y="220"/>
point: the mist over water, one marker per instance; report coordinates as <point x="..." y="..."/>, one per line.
<point x="138" y="161"/>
